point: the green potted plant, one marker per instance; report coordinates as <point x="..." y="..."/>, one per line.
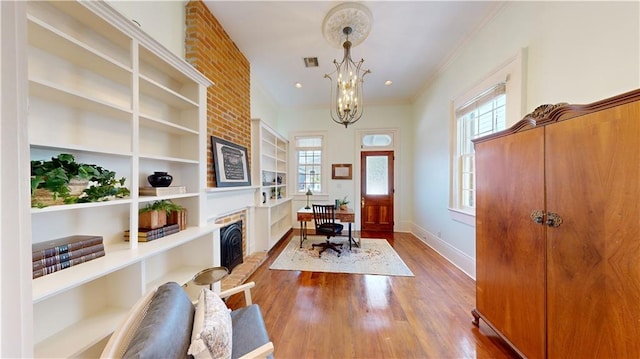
<point x="62" y="180"/>
<point x="103" y="185"/>
<point x="342" y="203"/>
<point x="160" y="213"/>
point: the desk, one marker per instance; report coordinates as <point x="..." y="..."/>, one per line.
<point x="342" y="215"/>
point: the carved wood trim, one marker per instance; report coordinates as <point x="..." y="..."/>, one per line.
<point x="547" y="114"/>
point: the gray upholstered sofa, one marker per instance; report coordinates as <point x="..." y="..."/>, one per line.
<point x="166" y="324"/>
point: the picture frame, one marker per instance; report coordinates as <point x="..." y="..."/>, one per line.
<point x="341" y="171"/>
<point x="230" y="163"/>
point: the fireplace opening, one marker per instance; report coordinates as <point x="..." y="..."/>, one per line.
<point x="231" y="245"/>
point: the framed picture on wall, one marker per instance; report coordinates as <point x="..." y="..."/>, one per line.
<point x="341" y="171"/>
<point x="230" y="163"/>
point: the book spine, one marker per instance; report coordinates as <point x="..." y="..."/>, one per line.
<point x="67" y="264"/>
<point x="171" y="231"/>
<point x="151" y="234"/>
<point x="64" y="248"/>
<point x="63" y="257"/>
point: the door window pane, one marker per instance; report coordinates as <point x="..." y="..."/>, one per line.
<point x="377" y="180"/>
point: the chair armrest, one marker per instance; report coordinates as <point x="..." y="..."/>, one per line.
<point x="260" y="352"/>
<point x="246" y="288"/>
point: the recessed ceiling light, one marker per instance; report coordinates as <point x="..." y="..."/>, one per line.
<point x="298" y="85"/>
<point x="388" y="83"/>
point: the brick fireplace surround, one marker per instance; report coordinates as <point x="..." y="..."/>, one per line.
<point x="211" y="51"/>
<point x="250" y="262"/>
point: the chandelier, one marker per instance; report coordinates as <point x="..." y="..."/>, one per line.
<point x="347" y="81"/>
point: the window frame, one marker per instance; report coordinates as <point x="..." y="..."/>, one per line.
<point x="511" y="73"/>
<point x="325" y="172"/>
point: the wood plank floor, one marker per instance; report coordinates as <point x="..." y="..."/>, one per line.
<point x="334" y="315"/>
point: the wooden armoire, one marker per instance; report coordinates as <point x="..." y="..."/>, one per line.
<point x="558" y="231"/>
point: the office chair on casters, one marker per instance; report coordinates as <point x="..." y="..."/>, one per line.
<point x="325" y="220"/>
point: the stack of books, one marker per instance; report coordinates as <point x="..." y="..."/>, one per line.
<point x="161" y="191"/>
<point x="62" y="253"/>
<point x="147" y="235"/>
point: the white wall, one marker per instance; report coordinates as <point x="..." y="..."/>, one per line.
<point x="163" y="20"/>
<point x="578" y="52"/>
<point x="263" y="106"/>
<point x="342" y="147"/>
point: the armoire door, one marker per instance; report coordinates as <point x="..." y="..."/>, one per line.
<point x="510" y="246"/>
<point x="593" y="184"/>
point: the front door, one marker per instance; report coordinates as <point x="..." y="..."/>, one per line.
<point x="376" y="190"/>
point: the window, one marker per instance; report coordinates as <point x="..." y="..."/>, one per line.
<point x="376" y="141"/>
<point x="481" y="116"/>
<point x="492" y="105"/>
<point x="309" y="163"/>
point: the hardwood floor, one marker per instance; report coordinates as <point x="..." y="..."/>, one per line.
<point x="334" y="315"/>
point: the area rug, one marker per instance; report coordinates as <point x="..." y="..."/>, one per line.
<point x="374" y="256"/>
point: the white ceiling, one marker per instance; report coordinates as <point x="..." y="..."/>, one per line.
<point x="408" y="43"/>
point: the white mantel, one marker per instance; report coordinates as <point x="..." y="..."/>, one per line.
<point x="223" y="201"/>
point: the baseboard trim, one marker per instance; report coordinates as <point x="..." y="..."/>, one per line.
<point x="464" y="262"/>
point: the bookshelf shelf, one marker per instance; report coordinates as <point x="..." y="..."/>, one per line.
<point x="80" y="206"/>
<point x="269" y="158"/>
<point x="81" y="336"/>
<point x="101" y="89"/>
<point x="119" y="255"/>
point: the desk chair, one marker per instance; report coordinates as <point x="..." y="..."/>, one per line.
<point x="324" y="216"/>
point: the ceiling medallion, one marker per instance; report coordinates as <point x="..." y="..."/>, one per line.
<point x="353" y="15"/>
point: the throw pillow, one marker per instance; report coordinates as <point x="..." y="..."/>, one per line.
<point x="211" y="335"/>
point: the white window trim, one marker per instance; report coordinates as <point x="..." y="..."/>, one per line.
<point x="293" y="159"/>
<point x="513" y="72"/>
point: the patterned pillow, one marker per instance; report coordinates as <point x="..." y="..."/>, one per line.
<point x="211" y="334"/>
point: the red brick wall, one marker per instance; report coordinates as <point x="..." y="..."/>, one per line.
<point x="210" y="50"/>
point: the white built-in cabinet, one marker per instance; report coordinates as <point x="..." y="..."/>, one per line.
<point x="101" y="89"/>
<point x="269" y="152"/>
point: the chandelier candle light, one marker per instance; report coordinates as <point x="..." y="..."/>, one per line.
<point x="347" y="100"/>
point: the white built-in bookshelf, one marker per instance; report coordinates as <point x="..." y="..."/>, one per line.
<point x="101" y="89"/>
<point x="269" y="152"/>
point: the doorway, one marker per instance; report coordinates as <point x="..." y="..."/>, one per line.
<point x="376" y="190"/>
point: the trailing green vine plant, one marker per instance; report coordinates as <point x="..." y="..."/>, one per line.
<point x="56" y="174"/>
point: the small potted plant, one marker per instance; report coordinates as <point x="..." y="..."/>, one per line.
<point x="159" y="214"/>
<point x="342" y="203"/>
<point x="176" y="214"/>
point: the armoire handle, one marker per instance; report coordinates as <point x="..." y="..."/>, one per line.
<point x="537" y="216"/>
<point x="553" y="219"/>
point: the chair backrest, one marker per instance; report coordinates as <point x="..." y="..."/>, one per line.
<point x="324" y="216"/>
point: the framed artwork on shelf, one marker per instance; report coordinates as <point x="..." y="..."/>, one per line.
<point x="341" y="171"/>
<point x="230" y="163"/>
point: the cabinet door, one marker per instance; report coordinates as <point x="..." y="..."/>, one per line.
<point x="593" y="183"/>
<point x="510" y="248"/>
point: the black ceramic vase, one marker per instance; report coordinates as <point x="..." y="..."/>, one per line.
<point x="160" y="179"/>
